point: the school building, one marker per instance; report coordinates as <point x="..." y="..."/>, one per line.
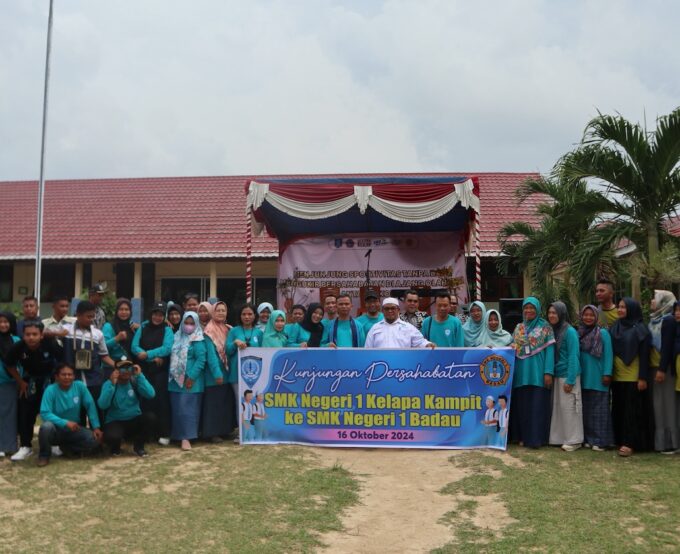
<point x="158" y="238"/>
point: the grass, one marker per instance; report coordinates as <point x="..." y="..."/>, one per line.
<point x="580" y="502"/>
<point x="214" y="499"/>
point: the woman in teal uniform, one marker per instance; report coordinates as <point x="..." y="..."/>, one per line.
<point x="534" y="344"/>
<point x="274" y="334"/>
<point x="187" y="380"/>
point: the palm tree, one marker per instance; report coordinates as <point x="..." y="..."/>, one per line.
<point x="567" y="212"/>
<point x="636" y="178"/>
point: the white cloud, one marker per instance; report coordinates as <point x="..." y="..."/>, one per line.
<point x="210" y="87"/>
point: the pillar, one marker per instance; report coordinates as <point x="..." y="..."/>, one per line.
<point x="137" y="286"/>
<point x="213" y="279"/>
<point x="78" y="284"/>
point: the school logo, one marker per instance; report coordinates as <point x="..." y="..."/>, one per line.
<point x="251" y="369"/>
<point x="76" y="399"/>
<point x="337" y="243"/>
<point x="494" y="370"/>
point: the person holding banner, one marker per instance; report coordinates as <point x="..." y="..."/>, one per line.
<point x="240" y="337"/>
<point x="274" y="334"/>
<point x="311" y="328"/>
<point x="474" y="328"/>
<point x="534" y="343"/>
<point x="344" y="331"/>
<point x="187" y="381"/>
<point x="443" y="329"/>
<point x="496" y="336"/>
<point x="393" y="332"/>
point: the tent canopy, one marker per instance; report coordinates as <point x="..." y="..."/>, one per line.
<point x="290" y="208"/>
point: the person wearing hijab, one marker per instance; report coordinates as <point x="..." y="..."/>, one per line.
<point x="241" y="337"/>
<point x="631" y="342"/>
<point x="566" y="422"/>
<point x="663" y="390"/>
<point x="217" y="419"/>
<point x="274" y="333"/>
<point x="173" y="316"/>
<point x="205" y="313"/>
<point x="264" y="311"/>
<point x="151" y="346"/>
<point x="496" y="336"/>
<point x="597" y="363"/>
<point x="534" y="344"/>
<point x="311" y="328"/>
<point x="8" y="387"/>
<point x="119" y="333"/>
<point x="186" y="380"/>
<point x="474" y="329"/>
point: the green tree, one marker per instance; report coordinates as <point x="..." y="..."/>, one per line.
<point x="636" y="188"/>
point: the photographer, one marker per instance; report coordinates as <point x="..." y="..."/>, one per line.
<point x="123" y="416"/>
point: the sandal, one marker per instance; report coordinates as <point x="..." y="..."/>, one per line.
<point x="625" y="451"/>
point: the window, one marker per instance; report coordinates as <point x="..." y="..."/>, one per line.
<point x="56" y="279"/>
<point x="6" y="282"/>
<point x="495" y="285"/>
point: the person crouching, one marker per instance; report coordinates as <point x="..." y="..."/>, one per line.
<point x="60" y="413"/>
<point x="123" y="417"/>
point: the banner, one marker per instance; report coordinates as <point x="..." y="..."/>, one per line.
<point x="391" y="398"/>
<point x="398" y="261"/>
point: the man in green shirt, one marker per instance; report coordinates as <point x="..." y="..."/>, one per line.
<point x="443" y="329"/>
<point x="60" y="413"/>
<point x="604" y="292"/>
<point x="373" y="313"/>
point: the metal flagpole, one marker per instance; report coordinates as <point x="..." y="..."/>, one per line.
<point x="41" y="182"/>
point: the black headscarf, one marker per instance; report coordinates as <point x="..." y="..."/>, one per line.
<point x="314" y="329"/>
<point x="175" y="308"/>
<point x="123" y="325"/>
<point x="6" y="340"/>
<point x="628" y="333"/>
<point x="152" y="335"/>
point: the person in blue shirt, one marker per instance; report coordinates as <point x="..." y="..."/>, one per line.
<point x="344" y="331"/>
<point x="534" y="344"/>
<point x="187" y="379"/>
<point x="8" y="386"/>
<point x="566" y="422"/>
<point x="597" y="365"/>
<point x="373" y="312"/>
<point x="443" y="329"/>
<point x="151" y="347"/>
<point x="123" y="416"/>
<point x="120" y="332"/>
<point x="293" y="330"/>
<point x="60" y="414"/>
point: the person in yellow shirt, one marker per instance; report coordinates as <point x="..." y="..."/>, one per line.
<point x="604" y="293"/>
<point x="631" y="342"/>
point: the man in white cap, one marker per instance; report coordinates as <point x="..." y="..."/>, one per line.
<point x="392" y="332"/>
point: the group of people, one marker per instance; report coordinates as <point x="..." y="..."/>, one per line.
<point x="174" y="377"/>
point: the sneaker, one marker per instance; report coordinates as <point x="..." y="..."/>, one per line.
<point x="570" y="447"/>
<point x="164" y="441"/>
<point x="23" y="453"/>
<point x="42" y="462"/>
<point x="140" y="452"/>
<point x="56" y="451"/>
<point x="668" y="452"/>
<point x="2" y="454"/>
<point x="598" y="448"/>
<point x="587" y="445"/>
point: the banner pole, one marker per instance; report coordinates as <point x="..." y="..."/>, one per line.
<point x="478" y="260"/>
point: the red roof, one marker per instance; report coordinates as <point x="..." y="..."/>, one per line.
<point x="180" y="217"/>
<point x="674" y="226"/>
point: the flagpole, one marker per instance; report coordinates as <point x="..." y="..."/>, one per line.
<point x="41" y="182"/>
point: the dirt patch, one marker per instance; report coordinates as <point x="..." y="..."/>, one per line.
<point x="400" y="506"/>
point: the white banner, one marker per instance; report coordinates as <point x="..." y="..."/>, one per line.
<point x="397" y="261"/>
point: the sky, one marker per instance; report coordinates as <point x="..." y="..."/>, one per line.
<point x="176" y="88"/>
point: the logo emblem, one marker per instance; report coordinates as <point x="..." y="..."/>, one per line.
<point x="251" y="369"/>
<point x="337" y="243"/>
<point x="76" y="399"/>
<point x="494" y="370"/>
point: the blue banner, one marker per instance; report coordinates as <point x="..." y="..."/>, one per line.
<point x="416" y="398"/>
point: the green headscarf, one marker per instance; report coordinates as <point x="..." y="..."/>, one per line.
<point x="272" y="337"/>
<point x="475" y="334"/>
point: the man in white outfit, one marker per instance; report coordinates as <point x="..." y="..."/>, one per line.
<point x="392" y="332"/>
